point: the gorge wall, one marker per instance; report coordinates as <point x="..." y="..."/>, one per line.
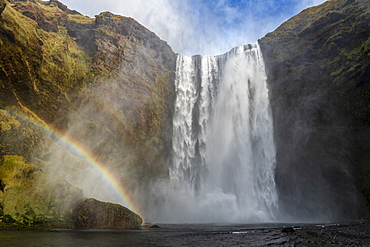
<point x="318" y="74"/>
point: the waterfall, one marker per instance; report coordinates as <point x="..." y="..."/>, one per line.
<point x="223" y="147"/>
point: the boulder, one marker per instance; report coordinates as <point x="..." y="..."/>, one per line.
<point x="90" y="213"/>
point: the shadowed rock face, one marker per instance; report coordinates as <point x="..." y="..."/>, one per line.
<point x="93" y="214"/>
<point x="318" y="74"/>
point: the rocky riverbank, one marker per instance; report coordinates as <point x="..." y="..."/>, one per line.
<point x="356" y="234"/>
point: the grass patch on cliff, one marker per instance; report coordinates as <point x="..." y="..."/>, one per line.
<point x="7" y="121"/>
<point x="22" y="27"/>
<point x="29" y="197"/>
<point x="81" y="19"/>
<point x="63" y="57"/>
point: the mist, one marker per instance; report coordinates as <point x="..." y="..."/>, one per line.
<point x="90" y="143"/>
<point x="196" y="27"/>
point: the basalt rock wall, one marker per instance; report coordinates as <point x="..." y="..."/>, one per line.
<point x="318" y="74"/>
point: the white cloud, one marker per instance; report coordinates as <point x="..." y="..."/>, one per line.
<point x="170" y="20"/>
<point x="304" y="4"/>
<point x="199" y="27"/>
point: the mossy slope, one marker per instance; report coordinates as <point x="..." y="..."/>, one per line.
<point x="38" y="68"/>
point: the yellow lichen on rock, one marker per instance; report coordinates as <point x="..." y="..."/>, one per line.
<point x="7" y="121"/>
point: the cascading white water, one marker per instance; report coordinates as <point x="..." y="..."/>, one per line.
<point x="223" y="148"/>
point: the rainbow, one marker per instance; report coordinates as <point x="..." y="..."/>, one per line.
<point x="77" y="147"/>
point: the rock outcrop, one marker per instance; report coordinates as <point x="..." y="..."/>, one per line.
<point x="318" y="74"/>
<point x="92" y="214"/>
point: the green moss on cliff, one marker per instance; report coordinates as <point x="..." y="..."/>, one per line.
<point x="30" y="197"/>
<point x="63" y="59"/>
<point x="7" y="121"/>
<point x="19" y="135"/>
<point x="42" y="67"/>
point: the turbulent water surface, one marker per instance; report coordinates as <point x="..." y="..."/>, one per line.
<point x="223" y="149"/>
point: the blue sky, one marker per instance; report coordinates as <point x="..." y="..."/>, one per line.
<point x="201" y="27"/>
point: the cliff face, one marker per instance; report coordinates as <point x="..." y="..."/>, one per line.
<point x="318" y="73"/>
<point x="40" y="65"/>
<point x="106" y="82"/>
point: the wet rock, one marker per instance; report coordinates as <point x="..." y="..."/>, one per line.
<point x="90" y="213"/>
<point x="147" y="226"/>
<point x="287" y="230"/>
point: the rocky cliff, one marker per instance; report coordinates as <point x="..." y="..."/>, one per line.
<point x="318" y="66"/>
<point x="107" y="82"/>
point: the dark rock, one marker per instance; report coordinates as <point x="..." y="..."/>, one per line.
<point x="287" y="230"/>
<point x="355" y="234"/>
<point x="93" y="214"/>
<point x="2" y="186"/>
<point x="317" y="66"/>
<point x="8" y="219"/>
<point x="155" y="226"/>
<point x="2" y="6"/>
